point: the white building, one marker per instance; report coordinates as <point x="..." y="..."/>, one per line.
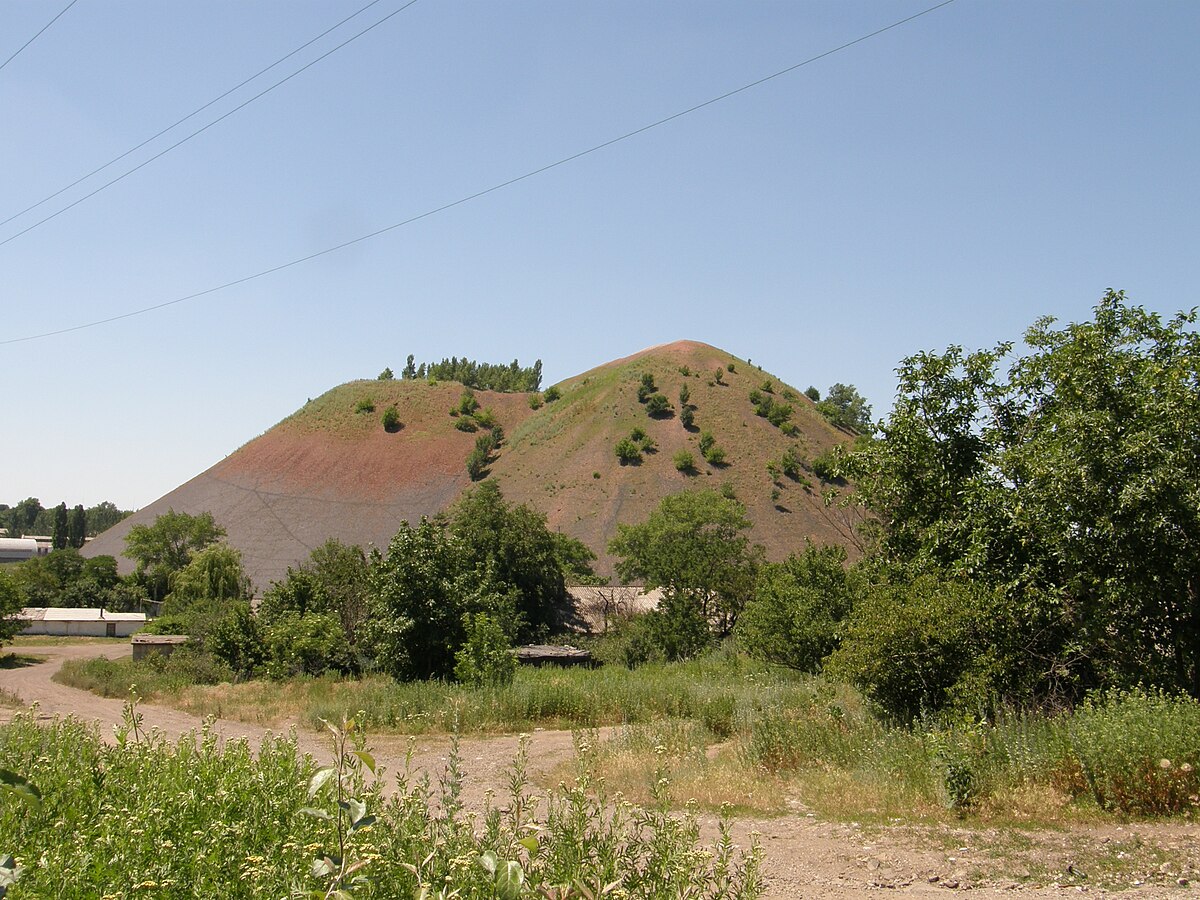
<point x="18" y="549"/>
<point x="80" y="622"/>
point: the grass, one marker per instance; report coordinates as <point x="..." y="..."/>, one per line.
<point x="201" y="817"/>
<point x="59" y="640"/>
<point x="737" y="732"/>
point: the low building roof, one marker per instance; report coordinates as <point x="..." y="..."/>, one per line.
<point x="69" y="614"/>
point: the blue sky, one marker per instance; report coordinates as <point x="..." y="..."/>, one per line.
<point x="946" y="182"/>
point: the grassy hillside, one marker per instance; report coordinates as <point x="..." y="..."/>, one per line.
<point x="331" y="469"/>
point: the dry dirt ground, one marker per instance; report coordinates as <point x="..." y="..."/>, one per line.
<point x="805" y="856"/>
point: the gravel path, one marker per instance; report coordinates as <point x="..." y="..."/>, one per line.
<point x="805" y="857"/>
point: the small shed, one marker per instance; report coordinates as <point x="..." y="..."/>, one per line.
<point x="80" y="622"/>
<point x="162" y="644"/>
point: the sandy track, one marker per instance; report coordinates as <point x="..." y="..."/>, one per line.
<point x="805" y="857"/>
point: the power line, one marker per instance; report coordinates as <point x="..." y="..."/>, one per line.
<point x="38" y="35"/>
<point x="475" y="196"/>
<point x="203" y="129"/>
<point x="193" y="113"/>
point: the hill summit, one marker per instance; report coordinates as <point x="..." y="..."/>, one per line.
<point x="332" y="469"/>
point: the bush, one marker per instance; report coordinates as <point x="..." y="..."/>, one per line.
<point x="729" y="367"/>
<point x="825" y="466"/>
<point x="928" y="646"/>
<point x="684" y="395"/>
<point x="309" y="644"/>
<point x="638" y="434"/>
<point x="687" y="417"/>
<point x="365" y="405"/>
<point x="485" y="418"/>
<point x="477" y="464"/>
<point x="486" y="657"/>
<point x="779" y="413"/>
<point x="391" y="419"/>
<point x="551" y="394"/>
<point x="646" y="387"/>
<point x="628" y="452"/>
<point x="466" y="423"/>
<point x="658" y="406"/>
<point x="386" y="375"/>
<point x="535" y="401"/>
<point x="1139" y="751"/>
<point x="684" y="461"/>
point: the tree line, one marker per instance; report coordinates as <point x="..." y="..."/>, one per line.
<point x="512" y="377"/>
<point x="71" y="524"/>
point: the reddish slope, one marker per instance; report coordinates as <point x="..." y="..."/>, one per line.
<point x="328" y="471"/>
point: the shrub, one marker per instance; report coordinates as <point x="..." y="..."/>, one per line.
<point x="684" y="461"/>
<point x="685" y="371"/>
<point x="477" y="463"/>
<point x="391" y="419"/>
<point x="467" y="404"/>
<point x="715" y="456"/>
<point x="485" y="658"/>
<point x="646" y="388"/>
<point x="486" y="418"/>
<point x="791" y="463"/>
<point x="779" y="413"/>
<point x="719" y="377"/>
<point x="687" y="417"/>
<point x="638" y="434"/>
<point x="309" y="644"/>
<point x="627" y="451"/>
<point x="684" y="395"/>
<point x="1139" y="751"/>
<point x="825" y="466"/>
<point x="707" y="442"/>
<point x="928" y="646"/>
<point x="767" y="387"/>
<point x="465" y="423"/>
<point x="658" y="406"/>
<point x="365" y="405"/>
<point x="813" y="394"/>
<point x="551" y="394"/>
<point x="386" y="375"/>
<point x="535" y="401"/>
<point x="729" y="367"/>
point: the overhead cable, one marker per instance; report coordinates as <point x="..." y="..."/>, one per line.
<point x="482" y="193"/>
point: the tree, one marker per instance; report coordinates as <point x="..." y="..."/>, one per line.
<point x="520" y="552"/>
<point x="627" y="451"/>
<point x="12" y="600"/>
<point x="391" y="419"/>
<point x="694" y="546"/>
<point x="846" y="407"/>
<point x="658" y="406"/>
<point x="419" y="595"/>
<point x="795" y="616"/>
<point x="23" y="516"/>
<point x="1070" y="484"/>
<point x="334" y="580"/>
<point x="410" y="370"/>
<point x="104" y="516"/>
<point x="163" y="548"/>
<point x="386" y="374"/>
<point x="61" y="527"/>
<point x="77" y="527"/>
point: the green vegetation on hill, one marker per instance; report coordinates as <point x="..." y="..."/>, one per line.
<point x="75" y="523"/>
<point x="481" y="376"/>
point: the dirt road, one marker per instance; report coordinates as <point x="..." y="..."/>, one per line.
<point x="805" y="856"/>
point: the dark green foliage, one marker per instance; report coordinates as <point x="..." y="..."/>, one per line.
<point x="535" y="401"/>
<point x="812" y="394"/>
<point x="658" y="406"/>
<point x="687" y="417"/>
<point x="64" y="578"/>
<point x="11" y="601"/>
<point x="387" y="374"/>
<point x="311" y="644"/>
<point x="685" y="371"/>
<point x="467" y="404"/>
<point x="486" y="376"/>
<point x="797" y="612"/>
<point x="791" y="464"/>
<point x="104" y="516"/>
<point x="466" y="423"/>
<point x="845" y="406"/>
<point x="638" y="434"/>
<point x="694" y="546"/>
<point x="410" y="369"/>
<point x="237" y="641"/>
<point x="391" y="419"/>
<point x="477" y="464"/>
<point x="163" y="548"/>
<point x="713" y="454"/>
<point x="627" y="451"/>
<point x="485" y="658"/>
<point x="419" y="594"/>
<point x="719" y="377"/>
<point x="365" y="405"/>
<point x="486" y="418"/>
<point x="684" y="461"/>
<point x="525" y="559"/>
<point x="77" y="527"/>
<point x="825" y="466"/>
<point x="646" y="388"/>
<point x="930" y="645"/>
<point x="767" y="387"/>
<point x="779" y="413"/>
<point x="729" y="367"/>
<point x="677" y="629"/>
<point x="1062" y="485"/>
<point x="685" y="395"/>
<point x="333" y="581"/>
<point x="61" y="536"/>
<point x="551" y="394"/>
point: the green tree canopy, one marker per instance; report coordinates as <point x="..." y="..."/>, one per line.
<point x="695" y="547"/>
<point x="1072" y="483"/>
<point x="163" y="548"/>
<point x="845" y="406"/>
<point x="420" y="596"/>
<point x="12" y="599"/>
